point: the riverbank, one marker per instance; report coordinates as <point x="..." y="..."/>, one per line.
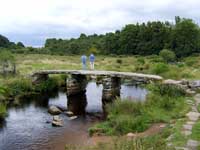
<point x="160" y="108"/>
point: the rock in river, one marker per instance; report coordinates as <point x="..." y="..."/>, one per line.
<point x="69" y="113"/>
<point x="72" y="117"/>
<point x="57" y="121"/>
<point x="54" y="110"/>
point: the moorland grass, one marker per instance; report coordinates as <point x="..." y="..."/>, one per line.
<point x="187" y="68"/>
<point x="124" y="116"/>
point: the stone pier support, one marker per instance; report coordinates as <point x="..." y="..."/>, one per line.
<point x="76" y="84"/>
<point x="38" y="78"/>
<point x="111" y="88"/>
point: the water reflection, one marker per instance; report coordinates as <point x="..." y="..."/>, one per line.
<point x="77" y="103"/>
<point x="26" y="127"/>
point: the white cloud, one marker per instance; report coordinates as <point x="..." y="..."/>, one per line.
<point x="34" y="20"/>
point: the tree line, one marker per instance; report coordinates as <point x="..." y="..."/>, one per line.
<point x="181" y="37"/>
<point x="5" y="43"/>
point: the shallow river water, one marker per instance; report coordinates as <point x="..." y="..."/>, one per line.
<point x="27" y="128"/>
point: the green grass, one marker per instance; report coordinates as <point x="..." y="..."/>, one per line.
<point x="196" y="131"/>
<point x="178" y="138"/>
<point x="186" y="68"/>
<point x="198" y="108"/>
<point x="126" y="116"/>
<point x="3" y="111"/>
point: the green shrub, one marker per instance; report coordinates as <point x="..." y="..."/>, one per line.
<point x="155" y="59"/>
<point x="119" y="61"/>
<point x="167" y="90"/>
<point x="168" y="55"/>
<point x="190" y="61"/>
<point x="141" y="61"/>
<point x="162" y="104"/>
<point x="19" y="86"/>
<point x="3" y="111"/>
<point x="196" y="131"/>
<point x="47" y="86"/>
<point x="160" y="68"/>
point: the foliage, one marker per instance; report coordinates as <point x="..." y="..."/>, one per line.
<point x="196" y="131"/>
<point x="128" y="116"/>
<point x="92" y="50"/>
<point x="47" y="86"/>
<point x="137" y="39"/>
<point x="5" y="43"/>
<point x="160" y="68"/>
<point x="19" y="86"/>
<point x="2" y="110"/>
<point x="119" y="61"/>
<point x="185" y="38"/>
<point x="168" y="55"/>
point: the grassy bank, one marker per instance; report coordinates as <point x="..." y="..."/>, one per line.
<point x="15" y="88"/>
<point x="185" y="68"/>
<point x="163" y="104"/>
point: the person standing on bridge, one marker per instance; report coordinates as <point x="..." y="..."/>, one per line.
<point x="84" y="61"/>
<point x="92" y="59"/>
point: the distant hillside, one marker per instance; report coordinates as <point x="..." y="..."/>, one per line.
<point x="5" y="43"/>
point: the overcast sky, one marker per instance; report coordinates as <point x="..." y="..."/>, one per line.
<point x="32" y="21"/>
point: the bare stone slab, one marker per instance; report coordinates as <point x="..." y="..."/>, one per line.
<point x="192" y="144"/>
<point x="181" y="148"/>
<point x="186" y="132"/>
<point x="187" y="127"/>
<point x="190" y="122"/>
<point x="101" y="73"/>
<point x="193" y="116"/>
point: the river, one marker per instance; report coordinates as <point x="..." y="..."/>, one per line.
<point x="26" y="127"/>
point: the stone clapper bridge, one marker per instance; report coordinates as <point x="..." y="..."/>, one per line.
<point x="111" y="80"/>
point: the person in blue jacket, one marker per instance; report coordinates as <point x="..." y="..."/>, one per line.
<point x="84" y="61"/>
<point x="92" y="59"/>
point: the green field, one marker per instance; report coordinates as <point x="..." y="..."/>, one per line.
<point x="188" y="68"/>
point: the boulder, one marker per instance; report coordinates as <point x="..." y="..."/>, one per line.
<point x="69" y="113"/>
<point x="194" y="84"/>
<point x="57" y="121"/>
<point x="190" y="92"/>
<point x="57" y="124"/>
<point x="132" y="135"/>
<point x="57" y="118"/>
<point x="54" y="110"/>
<point x="173" y="82"/>
<point x="73" y="117"/>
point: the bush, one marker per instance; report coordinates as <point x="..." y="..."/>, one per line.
<point x="168" y="55"/>
<point x="191" y="61"/>
<point x="3" y="111"/>
<point x="160" y="68"/>
<point x="119" y="61"/>
<point x="141" y="61"/>
<point x="167" y="90"/>
<point x="47" y="86"/>
<point x="19" y="86"/>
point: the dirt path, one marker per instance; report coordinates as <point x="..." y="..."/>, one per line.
<point x="154" y="129"/>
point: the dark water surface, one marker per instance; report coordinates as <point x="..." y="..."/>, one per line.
<point x="25" y="128"/>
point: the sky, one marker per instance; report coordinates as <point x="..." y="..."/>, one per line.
<point x="33" y="21"/>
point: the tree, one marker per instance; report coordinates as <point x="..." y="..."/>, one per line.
<point x="4" y="42"/>
<point x="168" y="55"/>
<point x="20" y="44"/>
<point x="186" y="37"/>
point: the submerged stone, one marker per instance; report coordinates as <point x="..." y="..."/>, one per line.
<point x="73" y="117"/>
